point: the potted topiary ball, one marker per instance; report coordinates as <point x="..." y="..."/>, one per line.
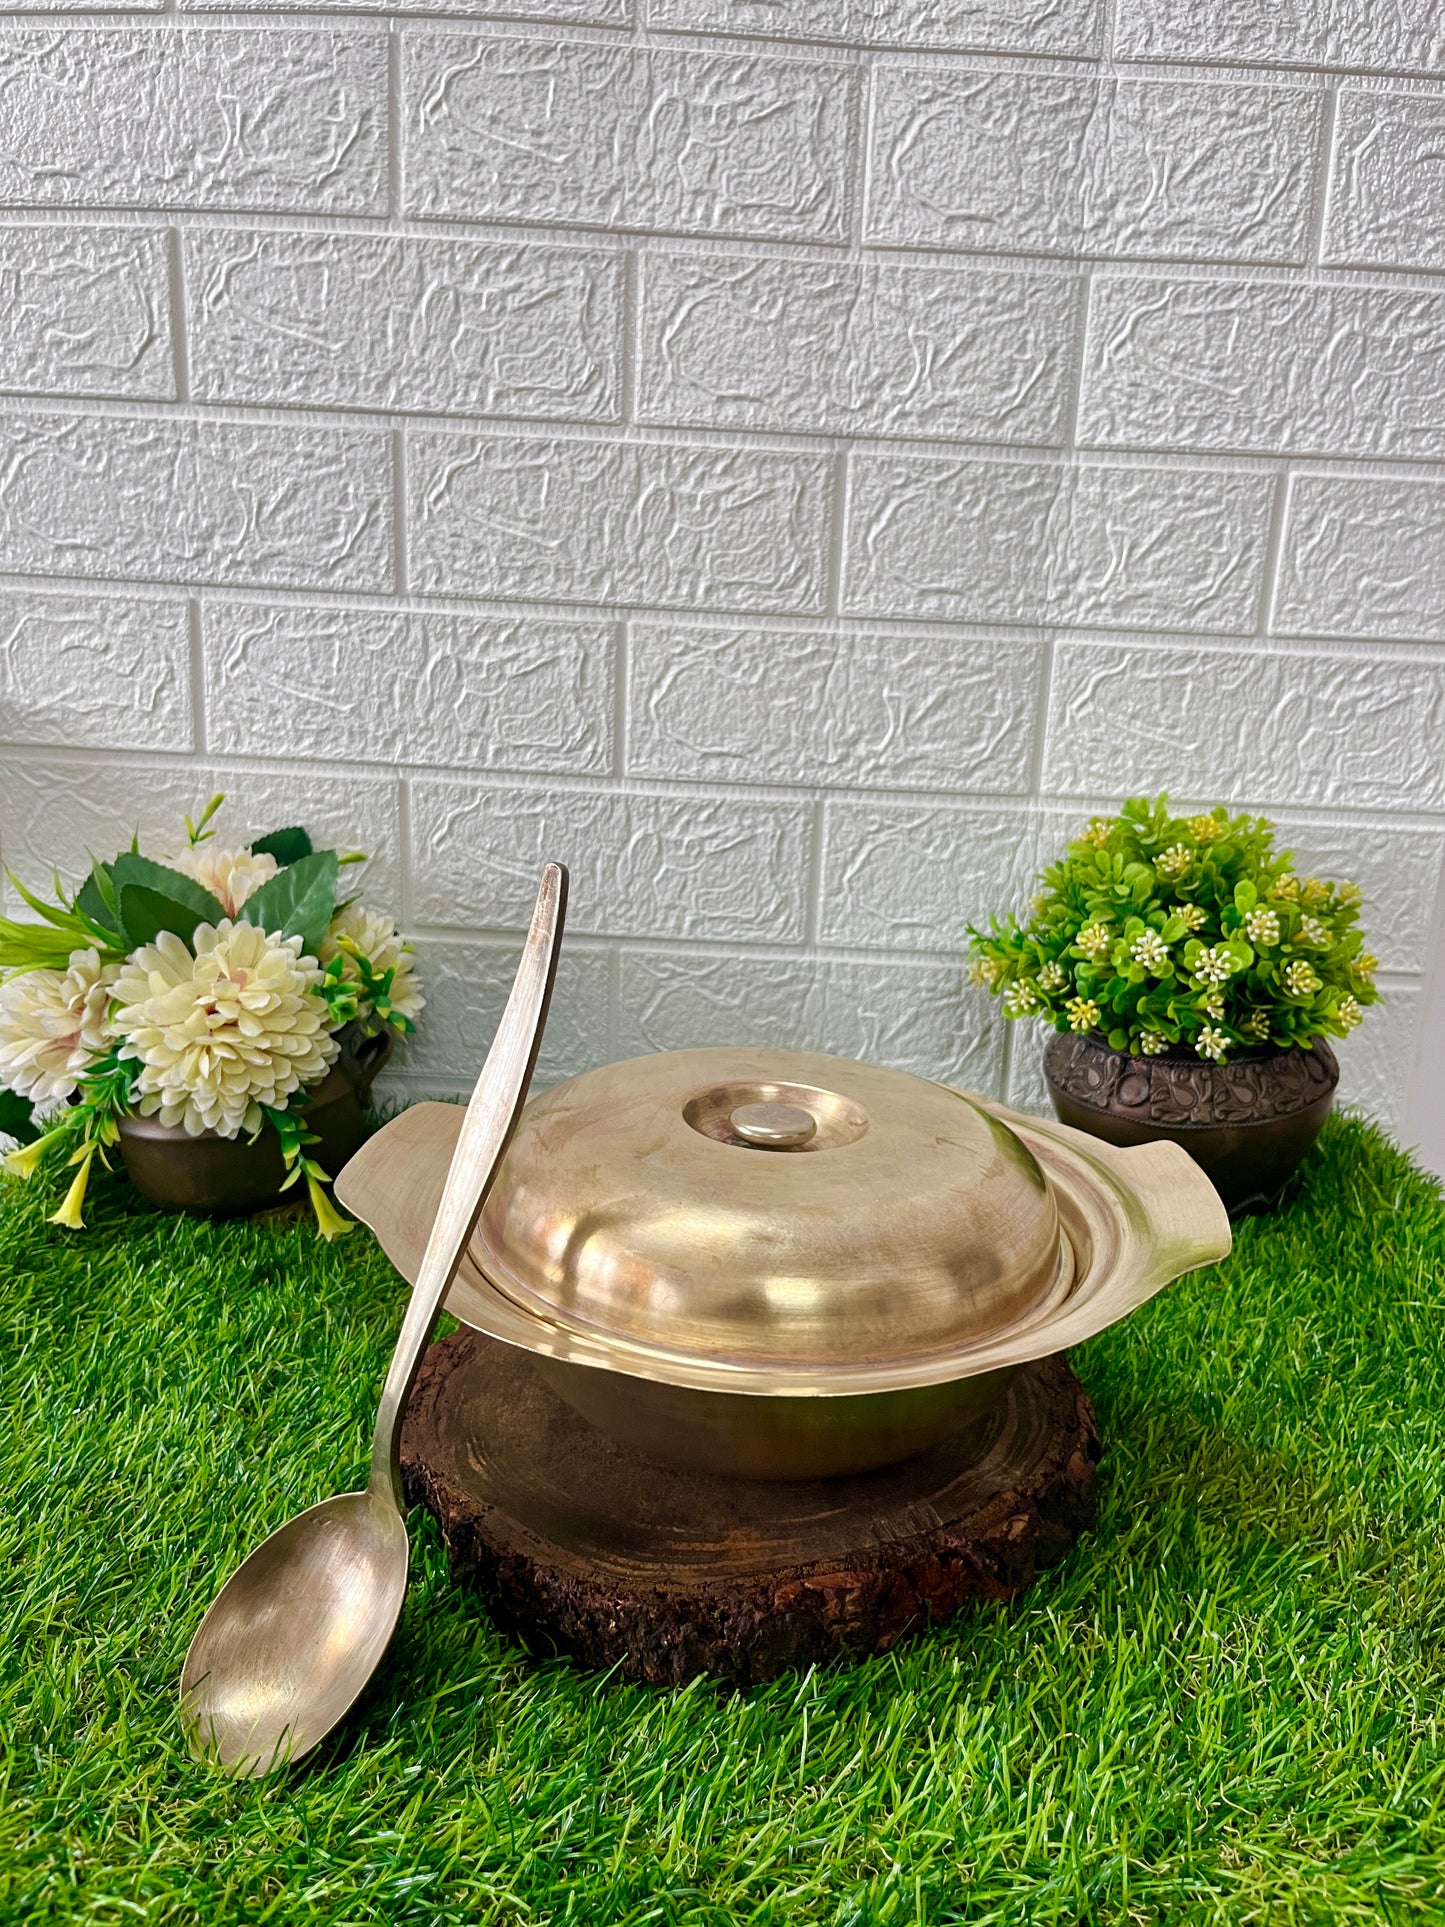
<point x="1193" y="979"/>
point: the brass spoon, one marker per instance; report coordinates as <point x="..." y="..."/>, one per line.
<point x="298" y="1629"/>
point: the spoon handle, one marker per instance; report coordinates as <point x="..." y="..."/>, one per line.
<point x="486" y="1131"/>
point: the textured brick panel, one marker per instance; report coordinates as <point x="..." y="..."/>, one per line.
<point x="1387" y="182"/>
<point x="1363" y="558"/>
<point x="1033" y="542"/>
<point x="673" y="866"/>
<point x="570" y="13"/>
<point x="903" y="876"/>
<point x="1377" y="1059"/>
<point x="467" y="691"/>
<point x="931" y="1021"/>
<point x="58" y="811"/>
<point x="1059" y="164"/>
<point x="882" y="712"/>
<point x="86" y="312"/>
<point x="927" y="1019"/>
<point x="1405" y="36"/>
<point x="614" y="136"/>
<point x="181" y="501"/>
<point x="1266" y="367"/>
<point x="440" y="326"/>
<point x="213" y="118"/>
<point x="833" y="348"/>
<point x="1027" y="1091"/>
<point x="1202" y="171"/>
<point x="85" y="6"/>
<point x="617" y="522"/>
<point x="78" y="669"/>
<point x="466" y="986"/>
<point x="1331" y="730"/>
<point x="749" y="783"/>
<point x="979" y="160"/>
<point x="1020" y="26"/>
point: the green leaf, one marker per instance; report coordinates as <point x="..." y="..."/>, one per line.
<point x="100" y="885"/>
<point x="35" y="946"/>
<point x="197" y="832"/>
<point x="56" y="914"/>
<point x="97" y="901"/>
<point x="16" y="1117"/>
<point x="30" y="946"/>
<point x="153" y="897"/>
<point x="1118" y="1039"/>
<point x="297" y="901"/>
<point x="287" y="846"/>
<point x="1246" y="896"/>
<point x="146" y="913"/>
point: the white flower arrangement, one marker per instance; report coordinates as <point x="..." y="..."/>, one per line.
<point x="223" y="1034"/>
<point x="207" y="989"/>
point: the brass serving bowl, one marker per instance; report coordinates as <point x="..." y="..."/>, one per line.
<point x="774" y="1264"/>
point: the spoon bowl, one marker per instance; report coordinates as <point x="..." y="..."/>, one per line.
<point x="288" y="1645"/>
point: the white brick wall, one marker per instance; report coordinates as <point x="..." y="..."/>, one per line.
<point x="220" y="118"/>
<point x="791" y="458"/>
<point x="314" y="320"/>
<point x="1026" y="163"/>
<point x="857" y="348"/>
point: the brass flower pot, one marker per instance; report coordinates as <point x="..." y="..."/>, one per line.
<point x="227" y="1176"/>
<point x="1247" y="1124"/>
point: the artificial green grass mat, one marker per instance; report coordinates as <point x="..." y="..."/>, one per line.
<point x="1222" y="1707"/>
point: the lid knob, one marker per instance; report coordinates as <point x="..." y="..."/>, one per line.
<point x="773" y="1127"/>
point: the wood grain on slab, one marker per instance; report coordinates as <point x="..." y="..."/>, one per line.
<point x="618" y="1561"/>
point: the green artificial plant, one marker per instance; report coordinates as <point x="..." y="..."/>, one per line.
<point x="1189" y="935"/>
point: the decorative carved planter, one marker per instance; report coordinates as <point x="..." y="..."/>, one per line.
<point x="1246" y="1124"/>
<point x="229" y="1175"/>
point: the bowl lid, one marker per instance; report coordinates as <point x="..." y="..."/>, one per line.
<point x="770" y="1208"/>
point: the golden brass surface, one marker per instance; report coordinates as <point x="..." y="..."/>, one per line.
<point x="743" y="1436"/>
<point x="908" y="1221"/>
<point x="746" y="1312"/>
<point x="297" y="1630"/>
<point x="767" y="1125"/>
<point x="761" y="1113"/>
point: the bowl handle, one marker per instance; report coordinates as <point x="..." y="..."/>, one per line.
<point x="1175" y="1213"/>
<point x="1188" y="1225"/>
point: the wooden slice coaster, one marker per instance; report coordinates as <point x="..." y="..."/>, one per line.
<point x="666" y="1574"/>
